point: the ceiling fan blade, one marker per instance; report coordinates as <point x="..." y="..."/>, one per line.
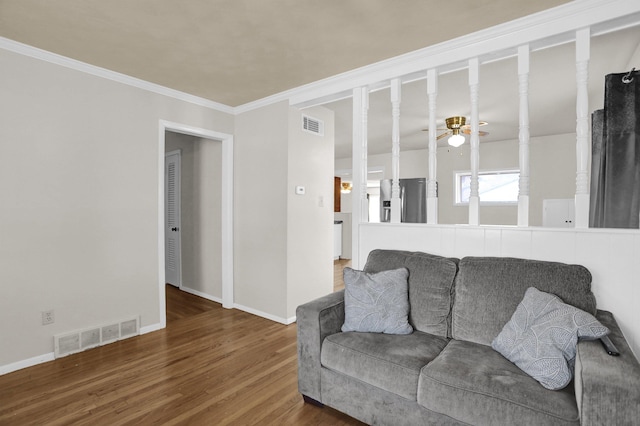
<point x="468" y="126"/>
<point x="447" y="133"/>
<point x="468" y="132"/>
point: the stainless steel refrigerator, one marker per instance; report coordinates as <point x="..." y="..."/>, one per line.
<point x="413" y="200"/>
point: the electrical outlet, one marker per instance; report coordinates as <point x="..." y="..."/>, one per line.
<point x="48" y="317"/>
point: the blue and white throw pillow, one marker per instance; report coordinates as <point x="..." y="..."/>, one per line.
<point x="542" y="335"/>
<point x="376" y="302"/>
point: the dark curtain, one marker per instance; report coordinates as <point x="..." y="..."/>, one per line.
<point x="597" y="167"/>
<point x="615" y="163"/>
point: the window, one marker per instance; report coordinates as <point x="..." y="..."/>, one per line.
<point x="495" y="187"/>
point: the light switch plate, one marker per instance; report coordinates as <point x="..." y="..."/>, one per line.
<point x="300" y="190"/>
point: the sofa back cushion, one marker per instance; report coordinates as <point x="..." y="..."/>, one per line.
<point x="489" y="289"/>
<point x="430" y="284"/>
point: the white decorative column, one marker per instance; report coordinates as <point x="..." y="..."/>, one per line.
<point x="396" y="87"/>
<point x="583" y="41"/>
<point x="523" y="135"/>
<point x="432" y="182"/>
<point x="360" y="204"/>
<point x="474" y="198"/>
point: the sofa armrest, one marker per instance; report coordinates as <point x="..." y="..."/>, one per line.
<point x="315" y="321"/>
<point x="607" y="387"/>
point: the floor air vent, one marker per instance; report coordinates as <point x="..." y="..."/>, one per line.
<point x="312" y="125"/>
<point x="77" y="341"/>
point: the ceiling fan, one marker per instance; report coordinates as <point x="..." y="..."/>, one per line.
<point x="455" y="126"/>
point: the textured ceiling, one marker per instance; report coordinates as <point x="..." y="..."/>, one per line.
<point x="238" y="51"/>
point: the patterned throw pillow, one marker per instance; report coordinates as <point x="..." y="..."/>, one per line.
<point x="376" y="302"/>
<point x="542" y="335"/>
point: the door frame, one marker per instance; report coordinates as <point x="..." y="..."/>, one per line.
<point x="226" y="205"/>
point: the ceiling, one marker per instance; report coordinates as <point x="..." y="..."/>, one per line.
<point x="237" y="51"/>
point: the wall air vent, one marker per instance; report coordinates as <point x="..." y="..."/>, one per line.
<point x="312" y="125"/>
<point x="80" y="340"/>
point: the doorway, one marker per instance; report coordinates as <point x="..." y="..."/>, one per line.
<point x="206" y="227"/>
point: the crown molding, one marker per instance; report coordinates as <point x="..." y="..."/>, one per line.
<point x="543" y="29"/>
<point x="54" y="58"/>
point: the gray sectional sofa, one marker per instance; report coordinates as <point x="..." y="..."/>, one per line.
<point x="445" y="371"/>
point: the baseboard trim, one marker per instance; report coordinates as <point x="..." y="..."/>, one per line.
<point x="30" y="362"/>
<point x="40" y="359"/>
<point x="265" y="315"/>
<point x="151" y="328"/>
<point x="201" y="294"/>
<point x="285" y="321"/>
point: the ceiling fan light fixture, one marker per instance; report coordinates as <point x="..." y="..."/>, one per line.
<point x="456" y="139"/>
<point x="454" y="124"/>
<point x="457" y="127"/>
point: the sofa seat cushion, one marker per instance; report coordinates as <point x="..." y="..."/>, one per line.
<point x="389" y="362"/>
<point x="472" y="383"/>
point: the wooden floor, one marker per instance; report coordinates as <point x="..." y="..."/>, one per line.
<point x="210" y="366"/>
<point x="338" y="267"/>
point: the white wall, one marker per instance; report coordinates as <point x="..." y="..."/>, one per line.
<point x="260" y="228"/>
<point x="553" y="175"/>
<point x="80" y="201"/>
<point x="201" y="192"/>
<point x="611" y="256"/>
<point x="81" y="205"/>
<point x="310" y="216"/>
<point x="284" y="240"/>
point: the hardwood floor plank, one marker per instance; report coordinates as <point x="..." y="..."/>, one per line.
<point x="338" y="267"/>
<point x="209" y="366"/>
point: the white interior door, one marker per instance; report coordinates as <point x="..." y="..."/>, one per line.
<point x="173" y="257"/>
